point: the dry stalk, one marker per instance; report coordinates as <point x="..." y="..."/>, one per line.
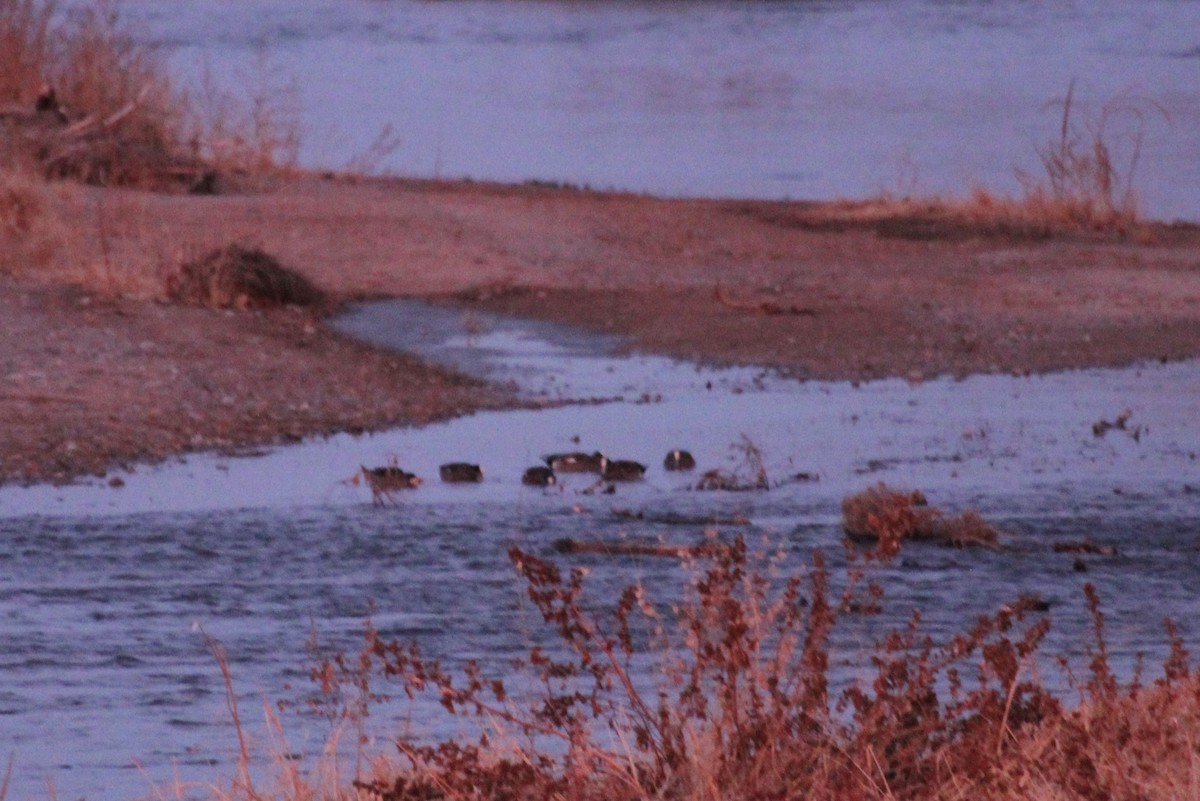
<point x="244" y="781"/>
<point x="8" y="771"/>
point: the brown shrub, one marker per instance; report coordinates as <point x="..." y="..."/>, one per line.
<point x="83" y="99"/>
<point x="746" y="706"/>
<point x="239" y="277"/>
<point x="886" y="517"/>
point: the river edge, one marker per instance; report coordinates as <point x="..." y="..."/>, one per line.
<point x="102" y="373"/>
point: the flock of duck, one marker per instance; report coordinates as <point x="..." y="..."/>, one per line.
<point x="385" y="480"/>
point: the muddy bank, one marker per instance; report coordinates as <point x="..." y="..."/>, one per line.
<point x="91" y="383"/>
<point x="99" y="371"/>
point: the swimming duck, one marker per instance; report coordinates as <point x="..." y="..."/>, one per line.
<point x="539" y="477"/>
<point x="461" y="473"/>
<point x="385" y="480"/>
<point x="679" y="460"/>
<point x="623" y="470"/>
<point x="576" y="462"/>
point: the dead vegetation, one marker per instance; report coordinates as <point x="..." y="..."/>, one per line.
<point x="741" y="702"/>
<point x="238" y="277"/>
<point x="83" y="99"/>
<point x="887" y="517"/>
<point x="748" y="475"/>
<point x="1084" y="189"/>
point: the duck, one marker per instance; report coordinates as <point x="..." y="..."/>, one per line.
<point x="679" y="460"/>
<point x="385" y="480"/>
<point x="576" y="462"/>
<point x="539" y="477"/>
<point x="623" y="470"/>
<point x="461" y="473"/>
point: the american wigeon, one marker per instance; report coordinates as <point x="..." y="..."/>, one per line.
<point x="576" y="462"/>
<point x="461" y="473"/>
<point x="539" y="477"/>
<point x="623" y="470"/>
<point x="679" y="460"/>
<point x="385" y="480"/>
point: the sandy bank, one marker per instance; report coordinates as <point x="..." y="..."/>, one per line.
<point x="98" y="371"/>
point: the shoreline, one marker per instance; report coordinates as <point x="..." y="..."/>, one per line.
<point x="101" y="372"/>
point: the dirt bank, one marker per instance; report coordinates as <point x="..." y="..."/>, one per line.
<point x="98" y="371"/>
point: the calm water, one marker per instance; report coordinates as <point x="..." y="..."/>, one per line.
<point x="795" y="98"/>
<point x="107" y="685"/>
<point x="104" y="592"/>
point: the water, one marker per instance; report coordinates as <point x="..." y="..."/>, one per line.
<point x="106" y="593"/>
<point x="792" y="98"/>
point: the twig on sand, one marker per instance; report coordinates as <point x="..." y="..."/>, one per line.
<point x="766" y="307"/>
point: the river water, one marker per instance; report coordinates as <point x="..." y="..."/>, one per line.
<point x="792" y="98"/>
<point x="106" y="592"/>
<point x="108" y="688"/>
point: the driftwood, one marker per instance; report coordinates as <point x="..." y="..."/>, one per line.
<point x="571" y="546"/>
<point x="671" y="519"/>
<point x="766" y="307"/>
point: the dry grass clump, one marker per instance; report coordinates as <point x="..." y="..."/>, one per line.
<point x="887" y="517"/>
<point x="86" y="101"/>
<point x="1085" y="188"/>
<point x="81" y="98"/>
<point x="1086" y="183"/>
<point x="745" y="704"/>
<point x="240" y="278"/>
<point x="750" y="474"/>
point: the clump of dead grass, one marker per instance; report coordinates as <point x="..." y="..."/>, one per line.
<point x="82" y="98"/>
<point x="100" y="105"/>
<point x="748" y="475"/>
<point x="1086" y="181"/>
<point x="746" y="705"/>
<point x="1085" y="187"/>
<point x="887" y="517"/>
<point x="239" y="277"/>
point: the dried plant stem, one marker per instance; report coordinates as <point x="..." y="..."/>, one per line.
<point x="8" y="771"/>
<point x="244" y="780"/>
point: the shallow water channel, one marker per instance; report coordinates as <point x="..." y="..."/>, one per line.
<point x="105" y="592"/>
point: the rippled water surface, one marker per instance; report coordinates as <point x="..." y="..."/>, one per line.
<point x="788" y="98"/>
<point x="104" y="591"/>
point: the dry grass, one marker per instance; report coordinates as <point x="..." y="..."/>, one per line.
<point x="887" y="517"/>
<point x="253" y="131"/>
<point x="745" y="705"/>
<point x="1086" y="182"/>
<point x="241" y="277"/>
<point x="1085" y="187"/>
<point x="116" y="118"/>
<point x="100" y="241"/>
<point x="31" y="229"/>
